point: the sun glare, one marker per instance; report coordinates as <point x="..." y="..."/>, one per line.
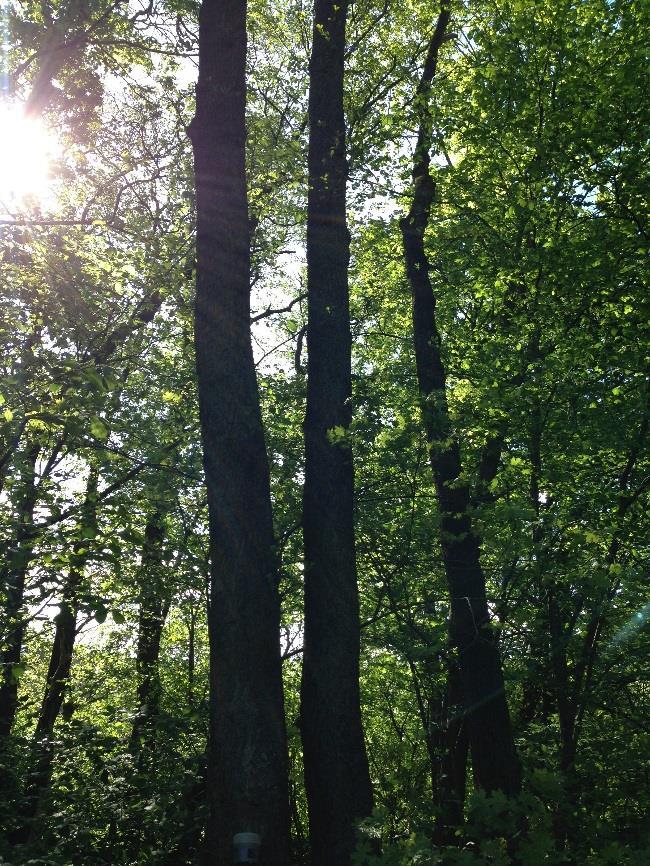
<point x="26" y="151"/>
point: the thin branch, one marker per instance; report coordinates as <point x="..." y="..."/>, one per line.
<point x="273" y="311"/>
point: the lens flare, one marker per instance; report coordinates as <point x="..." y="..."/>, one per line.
<point x="26" y="151"/>
<point x="634" y="624"/>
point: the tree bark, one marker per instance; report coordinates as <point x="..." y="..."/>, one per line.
<point x="153" y="609"/>
<point x="451" y="788"/>
<point x="247" y="775"/>
<point x="337" y="779"/>
<point x="13" y="580"/>
<point x="59" y="668"/>
<point x="66" y="621"/>
<point x="494" y="758"/>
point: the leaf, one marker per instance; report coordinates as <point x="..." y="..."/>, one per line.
<point x="98" y="429"/>
<point x="95" y="380"/>
<point x="17" y="671"/>
<point x="337" y="435"/>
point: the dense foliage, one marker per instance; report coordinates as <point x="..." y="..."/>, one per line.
<point x="538" y="244"/>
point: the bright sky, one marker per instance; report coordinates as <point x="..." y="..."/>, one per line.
<point x="26" y="153"/>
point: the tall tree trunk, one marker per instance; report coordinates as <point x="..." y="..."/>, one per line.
<point x="14" y="573"/>
<point x="153" y="609"/>
<point x="247" y="776"/>
<point x="558" y="632"/>
<point x="337" y="779"/>
<point x="191" y="655"/>
<point x="494" y="758"/>
<point x="154" y="602"/>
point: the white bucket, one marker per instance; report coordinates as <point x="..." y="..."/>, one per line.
<point x="247" y="847"/>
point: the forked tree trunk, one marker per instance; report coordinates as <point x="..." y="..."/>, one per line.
<point x="247" y="776"/>
<point x="337" y="780"/>
<point x="494" y="759"/>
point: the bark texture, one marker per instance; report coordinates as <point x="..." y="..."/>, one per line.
<point x="336" y="769"/>
<point x="247" y="774"/>
<point x="494" y="759"/>
<point x="14" y="573"/>
<point x="153" y="608"/>
<point x="451" y="787"/>
<point x="66" y="620"/>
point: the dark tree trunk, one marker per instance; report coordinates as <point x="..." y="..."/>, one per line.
<point x="59" y="668"/>
<point x="337" y="780"/>
<point x="247" y="775"/>
<point x="66" y="621"/>
<point x="494" y="759"/>
<point x="191" y="656"/>
<point x="451" y="788"/>
<point x="14" y="573"/>
<point x="153" y="609"/>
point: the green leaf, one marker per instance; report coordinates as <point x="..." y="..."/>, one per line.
<point x="17" y="671"/>
<point x="98" y="429"/>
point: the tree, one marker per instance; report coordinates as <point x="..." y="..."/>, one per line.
<point x="536" y="245"/>
<point x="247" y="779"/>
<point x="15" y="571"/>
<point x="494" y="759"/>
<point x="336" y="770"/>
<point x="154" y="602"/>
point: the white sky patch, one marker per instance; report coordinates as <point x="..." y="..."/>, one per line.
<point x="27" y="150"/>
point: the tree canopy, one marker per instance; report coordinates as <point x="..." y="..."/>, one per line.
<point x="325" y="332"/>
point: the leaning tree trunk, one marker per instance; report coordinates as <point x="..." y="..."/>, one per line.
<point x="58" y="674"/>
<point x="337" y="780"/>
<point x="66" y="621"/>
<point x="247" y="777"/>
<point x="494" y="759"/>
